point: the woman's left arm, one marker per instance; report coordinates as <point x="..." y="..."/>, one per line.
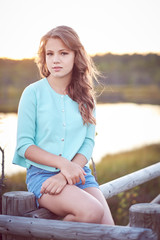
<point x="80" y="159"/>
<point x="86" y="148"/>
<point x="84" y="154"/>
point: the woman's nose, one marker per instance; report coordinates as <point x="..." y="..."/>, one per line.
<point x="56" y="58"/>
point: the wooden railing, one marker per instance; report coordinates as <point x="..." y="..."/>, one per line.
<point x="131" y="180"/>
<point x="22" y="220"/>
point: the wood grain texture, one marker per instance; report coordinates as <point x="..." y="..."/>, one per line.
<point x="54" y="229"/>
<point x="42" y="213"/>
<point x="18" y="203"/>
<point x="146" y="215"/>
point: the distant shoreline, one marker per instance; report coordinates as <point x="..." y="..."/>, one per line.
<point x="115" y="94"/>
<point x="121" y="94"/>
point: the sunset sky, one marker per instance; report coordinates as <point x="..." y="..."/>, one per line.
<point x="117" y="26"/>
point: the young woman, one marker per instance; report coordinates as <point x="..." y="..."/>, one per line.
<point x="56" y="129"/>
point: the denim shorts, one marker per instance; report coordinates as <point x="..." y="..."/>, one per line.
<point x="36" y="176"/>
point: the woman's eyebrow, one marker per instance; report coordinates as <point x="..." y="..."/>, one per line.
<point x="64" y="49"/>
<point x="48" y="50"/>
<point x="60" y="50"/>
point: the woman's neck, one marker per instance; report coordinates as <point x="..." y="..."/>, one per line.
<point x="59" y="85"/>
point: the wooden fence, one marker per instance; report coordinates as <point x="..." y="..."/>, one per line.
<point x="21" y="219"/>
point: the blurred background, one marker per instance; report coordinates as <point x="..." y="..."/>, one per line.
<point x="123" y="38"/>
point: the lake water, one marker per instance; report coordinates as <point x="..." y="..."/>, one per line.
<point x="120" y="127"/>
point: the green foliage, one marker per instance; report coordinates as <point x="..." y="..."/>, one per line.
<point x="15" y="182"/>
<point x="118" y="165"/>
<point x="127" y="69"/>
<point x="121" y="203"/>
<point x="15" y="75"/>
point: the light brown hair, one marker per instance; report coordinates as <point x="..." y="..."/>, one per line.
<point x="80" y="88"/>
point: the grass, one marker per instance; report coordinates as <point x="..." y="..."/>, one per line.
<point x="117" y="165"/>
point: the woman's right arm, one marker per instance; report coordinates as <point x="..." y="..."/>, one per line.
<point x="70" y="170"/>
<point x="40" y="156"/>
<point x="26" y="147"/>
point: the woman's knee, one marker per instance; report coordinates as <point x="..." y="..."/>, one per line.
<point x="92" y="213"/>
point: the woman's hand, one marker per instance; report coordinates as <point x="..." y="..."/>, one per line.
<point x="54" y="184"/>
<point x="73" y="172"/>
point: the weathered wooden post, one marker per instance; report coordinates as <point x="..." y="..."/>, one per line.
<point x="17" y="204"/>
<point x="146" y="215"/>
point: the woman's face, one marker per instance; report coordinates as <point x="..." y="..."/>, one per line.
<point x="59" y="58"/>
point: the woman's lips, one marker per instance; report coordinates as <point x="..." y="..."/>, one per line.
<point x="57" y="68"/>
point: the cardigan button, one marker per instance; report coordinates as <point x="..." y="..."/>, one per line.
<point x="62" y="139"/>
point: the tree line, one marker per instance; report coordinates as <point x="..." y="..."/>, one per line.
<point x="128" y="69"/>
<point x="122" y="76"/>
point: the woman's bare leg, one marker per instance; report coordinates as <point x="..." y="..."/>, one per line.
<point x="95" y="192"/>
<point x="74" y="204"/>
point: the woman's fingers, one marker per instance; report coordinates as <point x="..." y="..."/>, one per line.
<point x="69" y="180"/>
<point x="53" y="183"/>
<point x="45" y="187"/>
<point x="76" y="178"/>
<point x="82" y="177"/>
<point x="73" y="173"/>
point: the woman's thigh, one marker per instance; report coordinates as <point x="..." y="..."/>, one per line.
<point x="96" y="193"/>
<point x="72" y="200"/>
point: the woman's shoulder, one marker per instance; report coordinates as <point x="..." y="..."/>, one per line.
<point x="36" y="85"/>
<point x="31" y="90"/>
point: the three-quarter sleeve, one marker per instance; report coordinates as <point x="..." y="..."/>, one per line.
<point x="87" y="147"/>
<point x="26" y="121"/>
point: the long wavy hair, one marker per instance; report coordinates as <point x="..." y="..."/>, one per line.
<point x="80" y="89"/>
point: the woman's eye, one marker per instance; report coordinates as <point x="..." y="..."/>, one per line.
<point x="49" y="54"/>
<point x="64" y="53"/>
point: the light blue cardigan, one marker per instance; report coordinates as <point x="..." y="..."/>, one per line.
<point x="52" y="122"/>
